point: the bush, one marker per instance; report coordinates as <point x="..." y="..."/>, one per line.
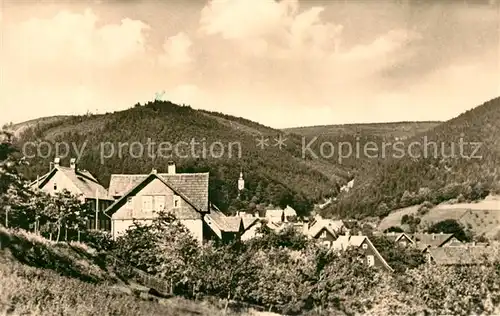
<point x="99" y="240"/>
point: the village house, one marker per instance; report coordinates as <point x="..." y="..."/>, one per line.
<point x="423" y="241"/>
<point x="461" y="255"/>
<point x="141" y="197"/>
<point x="279" y="215"/>
<point x="372" y="256"/>
<point x="401" y="239"/>
<point x="221" y="227"/>
<point x="250" y="226"/>
<point x="324" y="230"/>
<point x="81" y="183"/>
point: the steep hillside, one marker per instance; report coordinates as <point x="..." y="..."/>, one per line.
<point x="432" y="166"/>
<point x="224" y="145"/>
<point x="19" y="128"/>
<point x="481" y="217"/>
<point x="39" y="277"/>
<point x="392" y="130"/>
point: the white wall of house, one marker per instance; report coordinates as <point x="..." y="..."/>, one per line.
<point x="155" y="197"/>
<point x="250" y="233"/>
<point x="58" y="182"/>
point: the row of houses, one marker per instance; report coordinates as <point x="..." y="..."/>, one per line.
<point x="139" y="197"/>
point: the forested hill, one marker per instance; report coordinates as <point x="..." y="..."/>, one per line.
<point x="272" y="175"/>
<point x="402" y="180"/>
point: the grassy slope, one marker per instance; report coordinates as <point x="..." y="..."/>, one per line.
<point x="39" y="277"/>
<point x="384" y="130"/>
<point x="482" y="217"/>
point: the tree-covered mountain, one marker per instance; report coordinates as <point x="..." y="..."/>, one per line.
<point x="272" y="175"/>
<point x="456" y="159"/>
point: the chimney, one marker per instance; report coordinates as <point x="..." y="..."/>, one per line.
<point x="57" y="160"/>
<point x="72" y="164"/>
<point x="171" y="167"/>
<point x="154" y="171"/>
<point x="347" y="232"/>
<point x="360" y="233"/>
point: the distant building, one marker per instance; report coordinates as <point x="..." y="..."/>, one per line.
<point x="424" y="241"/>
<point x="401" y="239"/>
<point x="372" y="256"/>
<point x="324" y="230"/>
<point x="279" y="215"/>
<point x="78" y="182"/>
<point x="461" y="255"/>
<point x="250" y="226"/>
<point x="222" y="227"/>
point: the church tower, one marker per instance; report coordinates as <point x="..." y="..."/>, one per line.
<point x="241" y="184"/>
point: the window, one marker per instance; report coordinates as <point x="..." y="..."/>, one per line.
<point x="55" y="186"/>
<point x="365" y="246"/>
<point x="403" y="243"/>
<point x="177" y="201"/>
<point x="370" y="260"/>
<point x="147" y="203"/>
<point x="159" y="203"/>
<point x="323" y="234"/>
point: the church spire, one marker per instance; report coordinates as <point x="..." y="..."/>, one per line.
<point x="241" y="183"/>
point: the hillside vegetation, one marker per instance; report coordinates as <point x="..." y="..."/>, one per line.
<point x="384" y="130"/>
<point x="273" y="176"/>
<point x="433" y="173"/>
<point x="40" y="277"/>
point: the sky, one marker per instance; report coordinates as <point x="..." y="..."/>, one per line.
<point x="283" y="64"/>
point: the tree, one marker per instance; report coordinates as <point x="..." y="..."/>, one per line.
<point x="395" y="229"/>
<point x="398" y="257"/>
<point x="451" y="226"/>
<point x="65" y="210"/>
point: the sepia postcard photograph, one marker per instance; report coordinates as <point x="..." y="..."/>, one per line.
<point x="249" y="157"/>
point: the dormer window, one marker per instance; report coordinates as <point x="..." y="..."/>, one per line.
<point x="365" y="246"/>
<point x="55" y="186"/>
<point x="177" y="201"/>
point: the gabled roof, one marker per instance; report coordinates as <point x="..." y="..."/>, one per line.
<point x="230" y="224"/>
<point x="249" y="222"/>
<point x="274" y="213"/>
<point x="432" y="240"/>
<point x="461" y="255"/>
<point x="82" y="179"/>
<point x="345" y="241"/>
<point x="333" y="227"/>
<point x="289" y="211"/>
<point x="192" y="185"/>
<point x="118" y="203"/>
<point x="398" y="236"/>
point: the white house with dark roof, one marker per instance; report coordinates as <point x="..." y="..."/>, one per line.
<point x="325" y="230"/>
<point x="78" y="182"/>
<point x="141" y="196"/>
<point x="372" y="256"/>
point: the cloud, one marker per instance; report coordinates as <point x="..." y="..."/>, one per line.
<point x="278" y="62"/>
<point x="276" y="29"/>
<point x="177" y="51"/>
<point x="77" y="39"/>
